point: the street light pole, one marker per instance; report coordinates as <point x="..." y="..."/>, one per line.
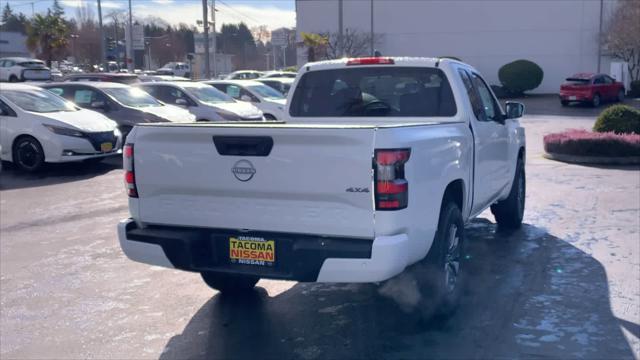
<point x="102" y="39"/>
<point x="340" y="34"/>
<point x="129" y="40"/>
<point x="75" y="52"/>
<point x="205" y="23"/>
<point x="213" y="22"/>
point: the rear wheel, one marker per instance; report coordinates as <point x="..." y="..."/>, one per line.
<point x="564" y="102"/>
<point x="28" y="154"/>
<point x="229" y="283"/>
<point x="510" y="211"/>
<point x="595" y="102"/>
<point x="620" y="97"/>
<point x="13" y="78"/>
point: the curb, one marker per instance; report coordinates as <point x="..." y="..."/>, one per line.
<point x="596" y="160"/>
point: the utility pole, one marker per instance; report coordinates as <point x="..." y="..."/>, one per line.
<point x="205" y="23"/>
<point x="340" y="34"/>
<point x="129" y="41"/>
<point x="215" y="38"/>
<point x="372" y="44"/>
<point x="600" y="37"/>
<point x="102" y="40"/>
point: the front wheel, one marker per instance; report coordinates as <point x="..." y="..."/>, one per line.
<point x="28" y="154"/>
<point x="564" y="102"/>
<point x="510" y="211"/>
<point x="595" y="102"/>
<point x="229" y="283"/>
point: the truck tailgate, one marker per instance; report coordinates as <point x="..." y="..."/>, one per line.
<point x="313" y="181"/>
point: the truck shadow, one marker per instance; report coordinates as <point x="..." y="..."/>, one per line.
<point x="52" y="174"/>
<point x="529" y="294"/>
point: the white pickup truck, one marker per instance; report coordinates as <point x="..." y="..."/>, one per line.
<point x="380" y="166"/>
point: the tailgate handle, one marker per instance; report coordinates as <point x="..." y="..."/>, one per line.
<point x="243" y="145"/>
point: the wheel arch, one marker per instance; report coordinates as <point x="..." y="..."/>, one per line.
<point x="455" y="191"/>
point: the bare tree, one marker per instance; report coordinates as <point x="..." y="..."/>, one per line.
<point x="622" y="35"/>
<point x="355" y="43"/>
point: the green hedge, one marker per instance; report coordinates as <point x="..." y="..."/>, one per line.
<point x="634" y="89"/>
<point x="520" y="76"/>
<point x="621" y="119"/>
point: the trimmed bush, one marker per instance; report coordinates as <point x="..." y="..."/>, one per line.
<point x="621" y="119"/>
<point x="634" y="89"/>
<point x="585" y="143"/>
<point x="520" y="76"/>
<point x="499" y="91"/>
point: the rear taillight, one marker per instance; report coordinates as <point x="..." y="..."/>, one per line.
<point x="129" y="171"/>
<point x="371" y="61"/>
<point x="391" y="188"/>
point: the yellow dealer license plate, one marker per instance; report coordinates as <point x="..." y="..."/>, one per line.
<point x="250" y="250"/>
<point x="106" y="147"/>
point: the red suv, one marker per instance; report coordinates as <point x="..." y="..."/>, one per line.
<point x="591" y="88"/>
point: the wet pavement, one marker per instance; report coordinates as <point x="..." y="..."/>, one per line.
<point x="566" y="285"/>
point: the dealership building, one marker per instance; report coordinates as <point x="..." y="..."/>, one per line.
<point x="562" y="36"/>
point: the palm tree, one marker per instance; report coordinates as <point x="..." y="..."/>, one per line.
<point x="47" y="36"/>
<point x="315" y="44"/>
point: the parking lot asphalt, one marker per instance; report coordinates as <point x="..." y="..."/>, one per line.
<point x="567" y="285"/>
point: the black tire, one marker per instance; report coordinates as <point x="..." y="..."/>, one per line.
<point x="229" y="283"/>
<point x="270" y="117"/>
<point x="510" y="211"/>
<point x="620" y="97"/>
<point x="13" y="79"/>
<point x="564" y="102"/>
<point x="28" y="154"/>
<point x="596" y="101"/>
<point x="440" y="276"/>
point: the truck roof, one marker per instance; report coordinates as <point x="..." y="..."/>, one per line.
<point x="395" y="61"/>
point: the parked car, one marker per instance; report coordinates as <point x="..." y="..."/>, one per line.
<point x="14" y="69"/>
<point x="104" y="77"/>
<point x="264" y="97"/>
<point x="126" y="105"/>
<point x="244" y="75"/>
<point x="38" y="127"/>
<point x="152" y="78"/>
<point x="205" y="102"/>
<point x="591" y="88"/>
<point x="175" y="69"/>
<point x="279" y="74"/>
<point x="281" y="84"/>
<point x="382" y="164"/>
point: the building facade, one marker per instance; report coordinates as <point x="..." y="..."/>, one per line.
<point x="562" y="36"/>
<point x="13" y="44"/>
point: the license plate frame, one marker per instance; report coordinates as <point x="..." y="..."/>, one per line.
<point x="252" y="250"/>
<point x="573" y="98"/>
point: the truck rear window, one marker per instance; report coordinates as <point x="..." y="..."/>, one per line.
<point x="373" y="92"/>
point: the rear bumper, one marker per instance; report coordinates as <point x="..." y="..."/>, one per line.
<point x="298" y="257"/>
<point x="575" y="96"/>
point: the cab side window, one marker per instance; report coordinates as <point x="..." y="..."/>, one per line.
<point x="476" y="103"/>
<point x="83" y="97"/>
<point x="598" y="80"/>
<point x="491" y="110"/>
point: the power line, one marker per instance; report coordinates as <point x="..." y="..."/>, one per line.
<point x="238" y="12"/>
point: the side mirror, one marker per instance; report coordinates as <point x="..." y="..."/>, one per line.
<point x="246" y="98"/>
<point x="514" y="110"/>
<point x="99" y="105"/>
<point x="182" y="102"/>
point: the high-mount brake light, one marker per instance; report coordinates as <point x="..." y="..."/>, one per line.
<point x="371" y="61"/>
<point x="391" y="188"/>
<point x="129" y="171"/>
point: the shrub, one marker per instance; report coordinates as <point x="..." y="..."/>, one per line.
<point x="620" y="119"/>
<point x="499" y="91"/>
<point x="634" y="89"/>
<point x="520" y="76"/>
<point x="585" y="143"/>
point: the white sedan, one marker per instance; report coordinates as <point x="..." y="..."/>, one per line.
<point x="37" y="126"/>
<point x="269" y="100"/>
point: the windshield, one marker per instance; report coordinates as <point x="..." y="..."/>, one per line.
<point x="40" y="101"/>
<point x="132" y="97"/>
<point x="266" y="92"/>
<point x="209" y="94"/>
<point x="374" y="92"/>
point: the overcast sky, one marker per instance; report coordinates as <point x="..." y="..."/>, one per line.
<point x="273" y="13"/>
